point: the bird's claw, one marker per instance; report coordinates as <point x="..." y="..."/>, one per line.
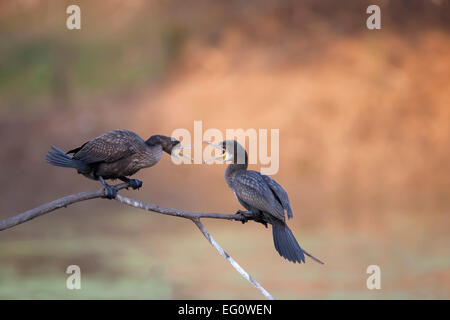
<point x="243" y="215"/>
<point x="135" y="183"/>
<point x="260" y="220"/>
<point x="110" y="192"/>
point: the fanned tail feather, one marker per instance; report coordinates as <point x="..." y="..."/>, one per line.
<point x="287" y="246"/>
<point x="59" y="158"/>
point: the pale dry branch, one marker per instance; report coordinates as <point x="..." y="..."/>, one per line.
<point x="100" y="193"/>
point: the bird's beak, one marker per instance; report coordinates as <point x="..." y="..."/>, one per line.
<point x="220" y="156"/>
<point x="178" y="151"/>
<point x="218" y="146"/>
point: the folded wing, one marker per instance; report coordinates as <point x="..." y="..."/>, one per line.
<point x="109" y="147"/>
<point x="280" y="194"/>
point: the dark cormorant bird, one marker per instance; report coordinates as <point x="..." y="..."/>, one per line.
<point x="263" y="197"/>
<point x="115" y="155"/>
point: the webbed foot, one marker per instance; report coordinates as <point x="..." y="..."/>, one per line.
<point x="264" y="223"/>
<point x="135" y="183"/>
<point x="110" y="192"/>
<point x="245" y="216"/>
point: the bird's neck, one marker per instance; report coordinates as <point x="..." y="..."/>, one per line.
<point x="153" y="146"/>
<point x="232" y="170"/>
<point x="233" y="167"/>
<point x="153" y="141"/>
<point x="239" y="163"/>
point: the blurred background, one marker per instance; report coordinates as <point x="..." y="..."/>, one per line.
<point x="364" y="144"/>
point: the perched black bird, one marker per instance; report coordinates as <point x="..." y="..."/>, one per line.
<point x="263" y="197"/>
<point x="115" y="155"/>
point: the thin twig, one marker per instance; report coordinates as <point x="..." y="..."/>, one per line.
<point x="100" y="193"/>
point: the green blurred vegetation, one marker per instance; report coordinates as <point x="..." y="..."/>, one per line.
<point x="57" y="68"/>
<point x="127" y="254"/>
<point x="41" y="72"/>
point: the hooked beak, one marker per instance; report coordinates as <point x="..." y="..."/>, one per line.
<point x="178" y="152"/>
<point x="220" y="156"/>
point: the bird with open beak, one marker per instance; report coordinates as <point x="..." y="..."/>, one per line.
<point x="265" y="199"/>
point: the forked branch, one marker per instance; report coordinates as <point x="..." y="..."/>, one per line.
<point x="100" y="193"/>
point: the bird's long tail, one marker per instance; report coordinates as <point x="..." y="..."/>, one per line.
<point x="59" y="158"/>
<point x="286" y="244"/>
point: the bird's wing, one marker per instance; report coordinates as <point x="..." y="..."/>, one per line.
<point x="280" y="194"/>
<point x="243" y="203"/>
<point x="109" y="147"/>
<point x="77" y="149"/>
<point x="252" y="189"/>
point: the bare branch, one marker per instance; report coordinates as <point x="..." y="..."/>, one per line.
<point x="176" y="212"/>
<point x="100" y="193"/>
<point x="51" y="206"/>
<point x="231" y="260"/>
<point x="83" y="196"/>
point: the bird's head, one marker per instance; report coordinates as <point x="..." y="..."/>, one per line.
<point x="169" y="145"/>
<point x="231" y="151"/>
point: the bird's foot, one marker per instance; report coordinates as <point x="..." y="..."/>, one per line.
<point x="110" y="192"/>
<point x="135" y="183"/>
<point x="248" y="215"/>
<point x="264" y="223"/>
<point x="245" y="215"/>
